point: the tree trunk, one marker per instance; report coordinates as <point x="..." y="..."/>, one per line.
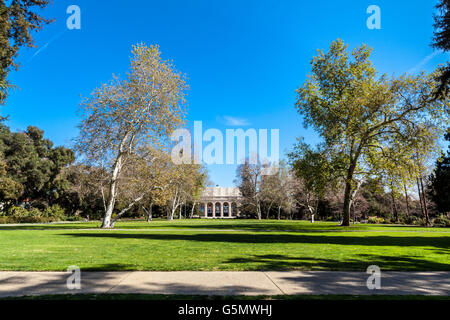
<point x="347" y="204"/>
<point x="279" y="213"/>
<point x="258" y="210"/>
<point x="171" y="213"/>
<point x="112" y="193"/>
<point x="394" y="207"/>
<point x="407" y="200"/>
<point x="427" y="218"/>
<point x="348" y="194"/>
<point x="125" y="210"/>
<point x="149" y="212"/>
<point x="268" y="211"/>
<point x="192" y="210"/>
<point x="420" y="197"/>
<point x="174" y="206"/>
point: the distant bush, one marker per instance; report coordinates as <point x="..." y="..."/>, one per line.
<point x="17" y="214"/>
<point x="74" y="218"/>
<point x="376" y="220"/>
<point x="420" y="222"/>
<point x="372" y="220"/>
<point x="55" y="212"/>
<point x="410" y="220"/>
<point x="441" y="221"/>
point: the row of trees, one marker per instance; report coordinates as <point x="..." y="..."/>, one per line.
<point x="378" y="133"/>
<point x="123" y="143"/>
<point x="31" y="168"/>
<point x="306" y="188"/>
<point x="123" y="147"/>
<point x="125" y="129"/>
<point x="36" y="175"/>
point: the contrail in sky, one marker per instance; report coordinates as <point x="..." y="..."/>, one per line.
<point x="424" y="61"/>
<point x="45" y="46"/>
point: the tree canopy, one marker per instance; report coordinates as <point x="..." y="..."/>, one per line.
<point x="123" y="120"/>
<point x="17" y="22"/>
<point x="441" y="40"/>
<point x="440" y="181"/>
<point x="30" y="166"/>
<point x="361" y="114"/>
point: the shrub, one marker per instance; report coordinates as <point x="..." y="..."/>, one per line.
<point x="372" y="220"/>
<point x="410" y="219"/>
<point x="441" y="221"/>
<point x="420" y="222"/>
<point x="55" y="212"/>
<point x="376" y="220"/>
<point x="18" y="214"/>
<point x="74" y="218"/>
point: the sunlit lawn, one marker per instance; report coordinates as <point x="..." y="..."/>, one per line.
<point x="223" y="245"/>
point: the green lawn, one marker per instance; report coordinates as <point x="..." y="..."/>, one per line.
<point x="223" y="245"/>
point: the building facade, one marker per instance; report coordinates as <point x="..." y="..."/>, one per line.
<point x="220" y="202"/>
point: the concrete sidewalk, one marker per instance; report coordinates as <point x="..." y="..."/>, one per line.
<point x="225" y="283"/>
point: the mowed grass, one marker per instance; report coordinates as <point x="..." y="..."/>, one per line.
<point x="223" y="245"/>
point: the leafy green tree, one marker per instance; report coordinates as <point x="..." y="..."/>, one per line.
<point x="10" y="190"/>
<point x="316" y="172"/>
<point x="17" y="22"/>
<point x="33" y="164"/>
<point x="440" y="181"/>
<point x="359" y="113"/>
<point x="441" y="40"/>
<point x="80" y="185"/>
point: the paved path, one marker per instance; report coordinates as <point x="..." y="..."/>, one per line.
<point x="225" y="283"/>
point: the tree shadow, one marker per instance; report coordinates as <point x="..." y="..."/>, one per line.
<point x="285" y="262"/>
<point x="15" y="284"/>
<point x="442" y="243"/>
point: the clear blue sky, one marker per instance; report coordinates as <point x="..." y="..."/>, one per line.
<point x="244" y="59"/>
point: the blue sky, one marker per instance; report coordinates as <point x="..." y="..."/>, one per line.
<point x="244" y="59"/>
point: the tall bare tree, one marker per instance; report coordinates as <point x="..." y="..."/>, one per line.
<point x="248" y="179"/>
<point x="120" y="119"/>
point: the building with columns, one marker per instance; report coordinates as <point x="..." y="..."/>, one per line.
<point x="220" y="202"/>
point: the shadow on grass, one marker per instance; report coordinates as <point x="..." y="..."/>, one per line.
<point x="238" y="225"/>
<point x="284" y="262"/>
<point x="442" y="243"/>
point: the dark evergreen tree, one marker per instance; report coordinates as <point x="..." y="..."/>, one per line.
<point x="441" y="40"/>
<point x="439" y="189"/>
<point x="18" y="19"/>
<point x="30" y="166"/>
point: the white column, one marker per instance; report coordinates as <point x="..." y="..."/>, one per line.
<point x="205" y="212"/>
<point x="221" y="209"/>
